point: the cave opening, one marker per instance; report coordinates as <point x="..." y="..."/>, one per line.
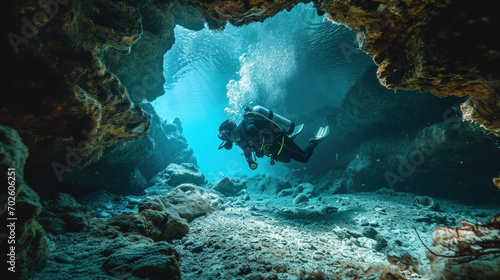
<point x="296" y="63"/>
<point x="399" y="168"/>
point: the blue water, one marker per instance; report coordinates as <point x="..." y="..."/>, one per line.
<point x="285" y="63"/>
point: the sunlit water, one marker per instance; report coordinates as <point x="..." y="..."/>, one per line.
<point x="295" y="62"/>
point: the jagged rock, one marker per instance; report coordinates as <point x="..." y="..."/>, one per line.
<point x="268" y="185"/>
<point x="178" y="124"/>
<point x="62" y="258"/>
<point x="403" y="259"/>
<point x="152" y="203"/>
<point x="170" y="146"/>
<point x="31" y="244"/>
<point x="471" y="249"/>
<point x="175" y="175"/>
<point x="306" y="190"/>
<point x="152" y="261"/>
<point x="426" y="203"/>
<point x="190" y="201"/>
<point x="157" y="225"/>
<point x="417" y="59"/>
<point x="126" y="167"/>
<point x="65" y="203"/>
<point x="84" y="108"/>
<point x="64" y="213"/>
<point x="300" y="198"/>
<point x="229" y="186"/>
<point x="86" y="85"/>
<point x="336" y="182"/>
<point x="153" y="220"/>
<point x="385" y="191"/>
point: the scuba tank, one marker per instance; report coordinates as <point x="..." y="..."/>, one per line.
<point x="287" y="125"/>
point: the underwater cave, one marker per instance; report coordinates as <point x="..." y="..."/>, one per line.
<point x="133" y="146"/>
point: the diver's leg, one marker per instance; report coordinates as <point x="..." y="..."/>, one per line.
<point x="295" y="152"/>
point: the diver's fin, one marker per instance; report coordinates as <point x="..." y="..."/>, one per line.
<point x="296" y="131"/>
<point x="320" y="135"/>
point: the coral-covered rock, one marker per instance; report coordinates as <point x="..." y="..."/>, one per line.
<point x="151" y="261"/>
<point x="175" y="175"/>
<point x="189" y="201"/>
<point x="241" y="12"/>
<point x="157" y="225"/>
<point x="229" y="186"/>
<point x="419" y="45"/>
<point x="64" y="214"/>
<point x="19" y="201"/>
<point x="470" y="251"/>
<point x="165" y="218"/>
<point x="76" y="106"/>
<point x="126" y="167"/>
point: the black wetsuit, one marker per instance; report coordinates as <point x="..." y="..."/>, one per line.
<point x="261" y="136"/>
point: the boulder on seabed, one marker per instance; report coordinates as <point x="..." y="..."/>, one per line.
<point x="186" y="201"/>
<point x="175" y="175"/>
<point x="425" y="202"/>
<point x="268" y="185"/>
<point x="308" y="190"/>
<point x="64" y="214"/>
<point x="229" y="186"/>
<point x="145" y="261"/>
<point x="157" y="225"/>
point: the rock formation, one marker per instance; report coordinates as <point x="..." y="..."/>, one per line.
<point x="74" y="73"/>
<point x="126" y="167"/>
<point x="468" y="251"/>
<point x="20" y="207"/>
<point x="84" y="65"/>
<point x="444" y="46"/>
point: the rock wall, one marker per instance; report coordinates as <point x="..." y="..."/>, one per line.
<point x="448" y="47"/>
<point x="75" y="70"/>
<point x="126" y="167"/>
<point x="404" y="141"/>
<point x="20" y="202"/>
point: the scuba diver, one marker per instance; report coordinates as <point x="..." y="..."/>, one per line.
<point x="264" y="133"/>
